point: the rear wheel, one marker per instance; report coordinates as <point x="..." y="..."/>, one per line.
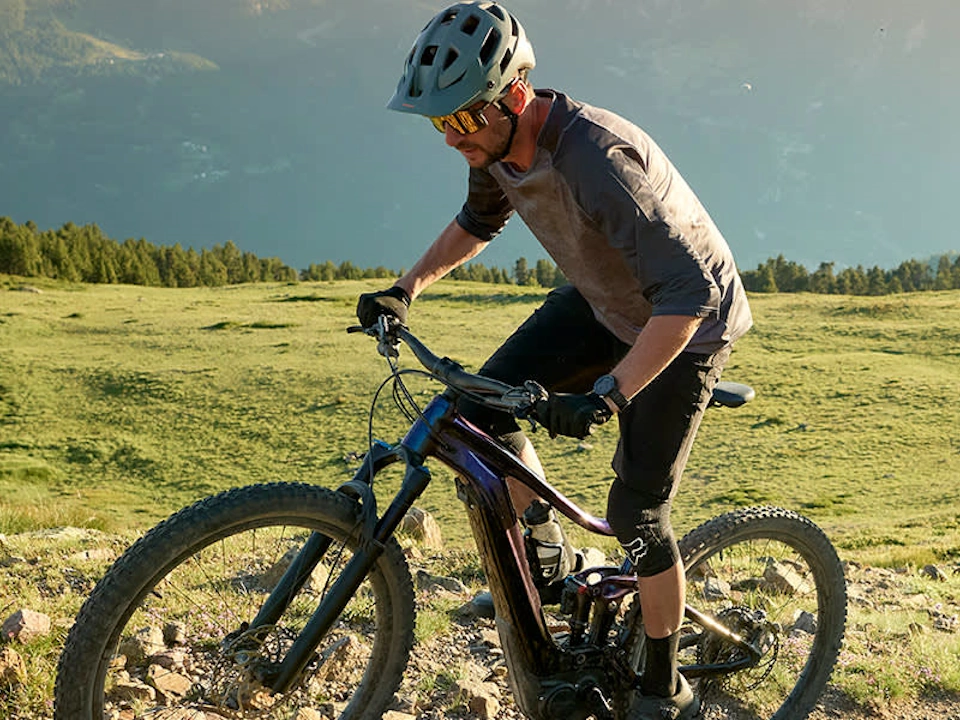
<point x="165" y="633"/>
<point x="774" y="578"/>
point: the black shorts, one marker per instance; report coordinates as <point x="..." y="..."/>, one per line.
<point x="565" y="348"/>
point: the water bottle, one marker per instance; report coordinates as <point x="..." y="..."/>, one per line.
<point x="547" y="549"/>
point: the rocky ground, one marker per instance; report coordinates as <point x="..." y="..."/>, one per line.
<point x="460" y="672"/>
<point x="482" y="691"/>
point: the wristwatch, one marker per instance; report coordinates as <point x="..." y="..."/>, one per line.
<point x="606" y="387"/>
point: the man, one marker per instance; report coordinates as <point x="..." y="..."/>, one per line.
<point x="654" y="301"/>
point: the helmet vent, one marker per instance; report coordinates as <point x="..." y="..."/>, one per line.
<point x="496" y="10"/>
<point x="489" y="45"/>
<point x="451" y="58"/>
<point x="470" y="25"/>
<point x="429" y="53"/>
<point x="505" y="63"/>
<point x="449" y="17"/>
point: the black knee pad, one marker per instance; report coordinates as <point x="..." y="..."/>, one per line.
<point x="642" y="525"/>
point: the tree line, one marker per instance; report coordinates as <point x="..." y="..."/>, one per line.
<point x="84" y="254"/>
<point x="781" y="275"/>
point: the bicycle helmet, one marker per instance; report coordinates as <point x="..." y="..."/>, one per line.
<point x="467" y="53"/>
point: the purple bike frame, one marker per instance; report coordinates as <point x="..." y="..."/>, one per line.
<point x="482" y="466"/>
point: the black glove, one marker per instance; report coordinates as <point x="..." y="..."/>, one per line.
<point x="572" y="415"/>
<point x="393" y="302"/>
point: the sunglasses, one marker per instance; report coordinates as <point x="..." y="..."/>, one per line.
<point x="463" y="122"/>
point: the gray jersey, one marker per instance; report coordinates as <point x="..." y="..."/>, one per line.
<point x="619" y="221"/>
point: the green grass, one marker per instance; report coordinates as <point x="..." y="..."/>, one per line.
<point x="119" y="405"/>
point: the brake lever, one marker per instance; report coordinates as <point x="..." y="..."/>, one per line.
<point x="535" y="392"/>
<point x="387" y="342"/>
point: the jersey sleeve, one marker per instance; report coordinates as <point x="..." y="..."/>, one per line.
<point x="487" y="209"/>
<point x="615" y="190"/>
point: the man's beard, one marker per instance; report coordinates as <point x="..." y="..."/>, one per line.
<point x="498" y="153"/>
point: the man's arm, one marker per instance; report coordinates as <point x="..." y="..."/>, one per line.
<point x="661" y="340"/>
<point x="450" y="250"/>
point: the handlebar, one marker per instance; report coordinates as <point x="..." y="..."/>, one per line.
<point x="518" y="400"/>
<point x="497" y="394"/>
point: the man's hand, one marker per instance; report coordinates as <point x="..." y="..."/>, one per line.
<point x="572" y="415"/>
<point x="393" y="302"/>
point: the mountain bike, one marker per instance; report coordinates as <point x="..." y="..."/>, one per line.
<point x="296" y="601"/>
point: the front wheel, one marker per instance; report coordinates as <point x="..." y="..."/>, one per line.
<point x="165" y="634"/>
<point x="772" y="577"/>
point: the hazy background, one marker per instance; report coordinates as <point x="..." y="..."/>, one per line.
<point x="824" y="130"/>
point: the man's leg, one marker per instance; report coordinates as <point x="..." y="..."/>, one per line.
<point x="662" y="598"/>
<point x="562" y="347"/>
<point x="657" y="433"/>
<point x="520" y="494"/>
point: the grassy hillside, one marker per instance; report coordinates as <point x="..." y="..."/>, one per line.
<point x="120" y="404"/>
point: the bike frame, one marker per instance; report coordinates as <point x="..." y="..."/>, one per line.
<point x="547" y="680"/>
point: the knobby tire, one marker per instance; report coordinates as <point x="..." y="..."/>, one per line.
<point x="199" y="575"/>
<point x="777" y="561"/>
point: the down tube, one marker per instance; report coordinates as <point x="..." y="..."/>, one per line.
<point x="529" y="650"/>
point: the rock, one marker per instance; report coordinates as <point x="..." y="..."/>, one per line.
<point x="426" y="581"/>
<point x="934" y="573"/>
<point x="482" y="698"/>
<point x="12" y="669"/>
<point x="397" y="715"/>
<point x="168" y="684"/>
<point x="169" y="659"/>
<point x="784" y="579"/>
<point x="331" y="710"/>
<point x="490" y="637"/>
<point x="174" y="633"/>
<point x="308" y="714"/>
<point x="592" y="557"/>
<point x="715" y="589"/>
<point x="132" y="691"/>
<point x="64" y="534"/>
<point x="142" y="644"/>
<point x="422" y="527"/>
<point x="96" y="554"/>
<point x="944" y="622"/>
<point x="26" y="625"/>
<point x="805" y="622"/>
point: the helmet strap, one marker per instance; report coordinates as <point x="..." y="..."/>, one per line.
<point x="514" y="118"/>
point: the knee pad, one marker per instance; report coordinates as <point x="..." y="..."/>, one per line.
<point x="644" y="531"/>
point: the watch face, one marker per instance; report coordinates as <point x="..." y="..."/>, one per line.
<point x="605" y="385"/>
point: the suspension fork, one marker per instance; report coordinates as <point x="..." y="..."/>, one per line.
<point x="298" y="572"/>
<point x="373" y="536"/>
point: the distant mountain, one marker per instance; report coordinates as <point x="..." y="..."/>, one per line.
<point x="820" y="131"/>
